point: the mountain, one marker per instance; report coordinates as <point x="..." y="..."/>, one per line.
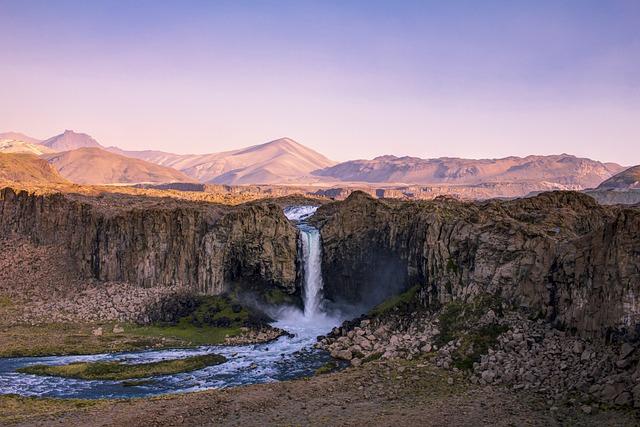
<point x="564" y="169"/>
<point x="96" y="166"/>
<point x="280" y="161"/>
<point x="27" y="168"/>
<point x="70" y="140"/>
<point x="17" y="136"/>
<point x="15" y="142"/>
<point x="18" y="146"/>
<point x="628" y="179"/>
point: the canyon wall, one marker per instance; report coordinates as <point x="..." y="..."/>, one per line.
<point x="561" y="254"/>
<point x="148" y="241"/>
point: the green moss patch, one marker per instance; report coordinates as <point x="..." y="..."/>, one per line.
<point x="405" y="301"/>
<point x="5" y="302"/>
<point x="214" y="319"/>
<point x="372" y="357"/>
<point x="456" y="317"/>
<point x="278" y="297"/>
<point x="475" y="344"/>
<point x="122" y="371"/>
<point x="458" y="321"/>
<point x="135" y="383"/>
<point x="327" y="368"/>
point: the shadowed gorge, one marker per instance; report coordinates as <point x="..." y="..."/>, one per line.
<point x="560" y="253"/>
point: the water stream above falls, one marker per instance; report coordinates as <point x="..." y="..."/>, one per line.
<point x="282" y="359"/>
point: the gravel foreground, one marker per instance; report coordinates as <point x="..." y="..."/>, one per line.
<point x="378" y="393"/>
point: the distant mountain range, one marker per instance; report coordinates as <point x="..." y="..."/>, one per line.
<point x="81" y="159"/>
<point x="561" y="169"/>
<point x="275" y="162"/>
<point x="90" y="165"/>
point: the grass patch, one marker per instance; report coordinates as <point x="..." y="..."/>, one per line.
<point x="456" y="316"/>
<point x="135" y="383"/>
<point x="372" y="357"/>
<point x="121" y="371"/>
<point x="327" y="368"/>
<point x="5" y="302"/>
<point x="277" y="297"/>
<point x="188" y="334"/>
<point x="475" y="344"/>
<point x="214" y="319"/>
<point x="15" y="408"/>
<point x="402" y="302"/>
<point x="74" y="338"/>
<point x="458" y="321"/>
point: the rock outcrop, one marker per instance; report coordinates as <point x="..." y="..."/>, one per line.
<point x="145" y="241"/>
<point x="561" y="253"/>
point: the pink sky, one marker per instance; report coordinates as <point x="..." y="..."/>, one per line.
<point x="415" y="79"/>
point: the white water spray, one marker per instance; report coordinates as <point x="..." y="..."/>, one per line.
<point x="312" y="259"/>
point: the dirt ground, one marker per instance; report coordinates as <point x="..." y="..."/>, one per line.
<point x="376" y="394"/>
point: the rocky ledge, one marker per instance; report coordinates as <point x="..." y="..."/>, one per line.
<point x="499" y="347"/>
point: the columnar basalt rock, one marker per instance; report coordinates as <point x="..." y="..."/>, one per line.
<point x="148" y="242"/>
<point x="561" y="253"/>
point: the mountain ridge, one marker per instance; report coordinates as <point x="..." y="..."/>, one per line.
<point x="285" y="161"/>
<point x="563" y="169"/>
<point x="267" y="163"/>
<point x="70" y="140"/>
<point x="91" y="165"/>
<point x="626" y="180"/>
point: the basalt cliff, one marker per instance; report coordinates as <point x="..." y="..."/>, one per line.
<point x="206" y="248"/>
<point x="560" y="254"/>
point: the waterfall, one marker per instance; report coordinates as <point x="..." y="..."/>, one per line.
<point x="311" y="259"/>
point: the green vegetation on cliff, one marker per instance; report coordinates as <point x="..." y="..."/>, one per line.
<point x="122" y="371"/>
<point x="402" y="302"/>
<point x="214" y="319"/>
<point x="459" y="321"/>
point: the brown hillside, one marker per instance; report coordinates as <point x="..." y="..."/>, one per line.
<point x="96" y="166"/>
<point x="20" y="167"/>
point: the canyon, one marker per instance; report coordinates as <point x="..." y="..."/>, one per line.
<point x="560" y="253"/>
<point x="557" y="265"/>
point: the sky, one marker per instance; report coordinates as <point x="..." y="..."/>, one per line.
<point x="351" y="79"/>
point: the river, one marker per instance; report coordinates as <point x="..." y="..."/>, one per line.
<point x="282" y="359"/>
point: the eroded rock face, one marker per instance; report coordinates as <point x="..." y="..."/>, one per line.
<point x="561" y="253"/>
<point x="203" y="247"/>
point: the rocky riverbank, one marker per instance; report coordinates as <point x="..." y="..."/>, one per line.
<point x="499" y="347"/>
<point x="383" y="392"/>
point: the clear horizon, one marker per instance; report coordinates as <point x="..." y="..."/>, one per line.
<point x="356" y="80"/>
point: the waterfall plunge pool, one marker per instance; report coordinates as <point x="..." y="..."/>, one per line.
<point x="283" y="359"/>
